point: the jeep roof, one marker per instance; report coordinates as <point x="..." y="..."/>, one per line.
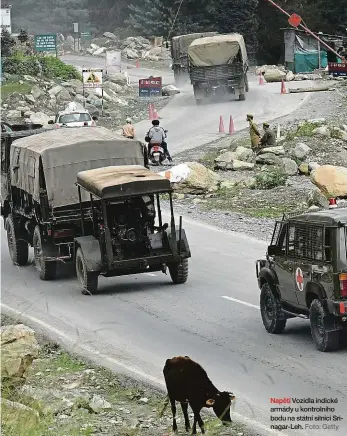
<point x="330" y="217"/>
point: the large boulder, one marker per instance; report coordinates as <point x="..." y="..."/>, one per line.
<point x="19" y="348"/>
<point x="274" y="75"/>
<point x="113" y="86"/>
<point x="301" y="150"/>
<point x="118" y="78"/>
<point x="192" y="178"/>
<point x="40" y="118"/>
<point x="37" y="92"/>
<point x="240" y="165"/>
<point x="13" y="114"/>
<point x="331" y="180"/>
<point x="244" y="154"/>
<point x="110" y="35"/>
<point x="277" y="150"/>
<point x="99" y="51"/>
<point x="290" y="76"/>
<point x="316" y="198"/>
<point x="18" y="417"/>
<point x="339" y="133"/>
<point x="170" y="90"/>
<point x="322" y="131"/>
<point x="55" y="90"/>
<point x="130" y="53"/>
<point x="268" y="159"/>
<point x="289" y="166"/>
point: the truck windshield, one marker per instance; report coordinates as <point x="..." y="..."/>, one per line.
<point x="74" y="118"/>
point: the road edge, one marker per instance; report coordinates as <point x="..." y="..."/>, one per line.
<point x="100" y="359"/>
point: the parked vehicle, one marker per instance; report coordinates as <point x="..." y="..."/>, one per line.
<point x="218" y="65"/>
<point x="305" y="275"/>
<point x="77" y="118"/>
<point x="40" y="205"/>
<point x="179" y="54"/>
<point x="123" y="237"/>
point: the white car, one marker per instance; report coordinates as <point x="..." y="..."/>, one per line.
<point x="76" y="118"/>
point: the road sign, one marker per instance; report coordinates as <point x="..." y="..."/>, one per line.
<point x="150" y="87"/>
<point x="294" y="20"/>
<point x="114" y="59"/>
<point x="92" y="78"/>
<point x="86" y="36"/>
<point x="46" y="42"/>
<point x="75" y="27"/>
<point x="5" y="21"/>
<point x="337" y="70"/>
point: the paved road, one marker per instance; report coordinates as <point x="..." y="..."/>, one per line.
<point x="140" y="321"/>
<point x="189" y="125"/>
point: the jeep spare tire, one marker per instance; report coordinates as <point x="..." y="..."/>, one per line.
<point x="271" y="310"/>
<point x="325" y="340"/>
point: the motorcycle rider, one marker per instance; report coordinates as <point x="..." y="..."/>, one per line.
<point x="157" y="135"/>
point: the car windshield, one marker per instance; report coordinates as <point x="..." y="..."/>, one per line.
<point x="74" y="118"/>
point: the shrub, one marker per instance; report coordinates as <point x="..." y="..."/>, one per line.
<point x="304" y="130"/>
<point x="270" y="179"/>
<point x="47" y="66"/>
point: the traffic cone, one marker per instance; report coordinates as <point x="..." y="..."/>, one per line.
<point x="221" y="125"/>
<point x="155" y="114"/>
<point x="137" y="64"/>
<point x="231" y="126"/>
<point x="261" y="79"/>
<point x="150" y="112"/>
<point x="283" y="88"/>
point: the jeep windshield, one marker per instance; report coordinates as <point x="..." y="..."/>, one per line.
<point x="74" y="118"/>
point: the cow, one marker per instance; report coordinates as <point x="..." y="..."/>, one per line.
<point x="188" y="383"/>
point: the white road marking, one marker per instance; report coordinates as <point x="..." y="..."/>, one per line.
<point x="241" y="302"/>
<point x="243" y="419"/>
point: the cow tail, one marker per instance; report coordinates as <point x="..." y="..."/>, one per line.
<point x="165" y="406"/>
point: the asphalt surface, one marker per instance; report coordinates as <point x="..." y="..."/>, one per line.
<point x="140" y="321"/>
<point x="135" y="323"/>
<point x="190" y="125"/>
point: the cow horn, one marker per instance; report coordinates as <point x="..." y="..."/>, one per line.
<point x="210" y="402"/>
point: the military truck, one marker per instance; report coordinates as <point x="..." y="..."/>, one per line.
<point x="125" y="237"/>
<point x="305" y="275"/>
<point x="179" y="54"/>
<point x="40" y="203"/>
<point x="218" y="65"/>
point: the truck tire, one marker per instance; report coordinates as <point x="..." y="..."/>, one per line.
<point x="242" y="96"/>
<point x="179" y="272"/>
<point x="323" y="339"/>
<point x="47" y="269"/>
<point x="88" y="280"/>
<point x="18" y="248"/>
<point x="271" y="310"/>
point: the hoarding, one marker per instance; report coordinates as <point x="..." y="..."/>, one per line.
<point x="46" y="42"/>
<point x="150" y="87"/>
<point x="6" y="19"/>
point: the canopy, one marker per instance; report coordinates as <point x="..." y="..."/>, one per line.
<point x="122" y="181"/>
<point x="62" y="153"/>
<point x="182" y="42"/>
<point x="216" y="50"/>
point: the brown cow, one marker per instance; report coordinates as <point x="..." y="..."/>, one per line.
<point x="187" y="382"/>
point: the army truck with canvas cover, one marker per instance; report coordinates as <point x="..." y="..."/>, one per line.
<point x="179" y="54"/>
<point x="218" y="65"/>
<point x="40" y="199"/>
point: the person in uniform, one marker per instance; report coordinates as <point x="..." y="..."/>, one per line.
<point x="254" y="133"/>
<point x="128" y="129"/>
<point x="269" y="137"/>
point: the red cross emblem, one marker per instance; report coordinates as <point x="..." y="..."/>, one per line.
<point x="299" y="278"/>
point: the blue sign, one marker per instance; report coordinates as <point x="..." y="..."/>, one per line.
<point x="150" y="87"/>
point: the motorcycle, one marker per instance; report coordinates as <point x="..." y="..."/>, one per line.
<point x="157" y="153"/>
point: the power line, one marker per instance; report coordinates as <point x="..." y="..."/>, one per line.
<point x="174" y="21"/>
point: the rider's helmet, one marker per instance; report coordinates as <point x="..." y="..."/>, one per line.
<point x="128" y="120"/>
<point x="155" y="122"/>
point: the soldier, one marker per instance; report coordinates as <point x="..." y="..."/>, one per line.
<point x="269" y="137"/>
<point x="254" y="132"/>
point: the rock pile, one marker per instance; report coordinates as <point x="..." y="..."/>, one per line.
<point x="277" y="73"/>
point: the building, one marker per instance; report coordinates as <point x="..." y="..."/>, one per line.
<point x="303" y="53"/>
<point x="6" y="18"/>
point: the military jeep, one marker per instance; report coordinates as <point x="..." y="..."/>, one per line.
<point x="305" y="275"/>
<point x="127" y="234"/>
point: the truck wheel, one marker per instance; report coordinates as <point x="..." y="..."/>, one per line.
<point x="88" y="280"/>
<point x="324" y="340"/>
<point x="271" y="310"/>
<point x="242" y="97"/>
<point x="47" y="269"/>
<point x="179" y="272"/>
<point x="18" y="248"/>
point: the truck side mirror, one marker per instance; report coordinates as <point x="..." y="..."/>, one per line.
<point x="272" y="250"/>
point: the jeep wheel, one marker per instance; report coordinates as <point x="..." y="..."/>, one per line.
<point x="324" y="340"/>
<point x="271" y="311"/>
<point x="179" y="272"/>
<point x="88" y="280"/>
<point x="47" y="269"/>
<point x="18" y="248"/>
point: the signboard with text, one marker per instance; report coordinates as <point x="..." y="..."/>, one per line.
<point x="46" y="42"/>
<point x="114" y="59"/>
<point x="92" y="78"/>
<point x="6" y="19"/>
<point x="150" y="87"/>
<point x="337" y="70"/>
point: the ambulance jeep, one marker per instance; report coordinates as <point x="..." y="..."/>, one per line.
<point x="305" y="275"/>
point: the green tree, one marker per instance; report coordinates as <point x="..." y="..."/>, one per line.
<point x="23" y="36"/>
<point x="7" y="43"/>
